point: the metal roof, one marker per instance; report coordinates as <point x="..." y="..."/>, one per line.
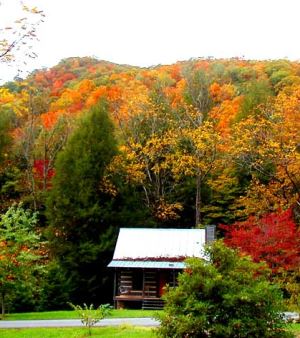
<point x="158" y="247"/>
<point x="146" y="264"/>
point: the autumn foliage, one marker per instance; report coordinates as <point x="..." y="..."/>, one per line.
<point x="273" y="238"/>
<point x="203" y="141"/>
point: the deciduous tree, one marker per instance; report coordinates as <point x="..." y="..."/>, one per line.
<point x="17" y="37"/>
<point x="275" y="239"/>
<point x="22" y="253"/>
<point x="226" y="296"/>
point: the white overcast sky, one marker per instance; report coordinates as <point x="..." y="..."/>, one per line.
<point x="150" y="32"/>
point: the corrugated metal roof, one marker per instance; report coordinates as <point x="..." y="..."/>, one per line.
<point x="146" y="264"/>
<point x="161" y="245"/>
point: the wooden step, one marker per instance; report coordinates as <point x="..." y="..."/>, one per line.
<point x="153" y="304"/>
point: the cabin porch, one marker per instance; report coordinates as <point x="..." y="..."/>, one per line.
<point x="142" y="288"/>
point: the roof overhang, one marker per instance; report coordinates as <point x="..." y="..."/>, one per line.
<point x="146" y="264"/>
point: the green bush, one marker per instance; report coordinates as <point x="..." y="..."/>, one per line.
<point x="226" y="296"/>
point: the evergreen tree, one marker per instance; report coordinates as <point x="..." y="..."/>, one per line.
<point x="77" y="208"/>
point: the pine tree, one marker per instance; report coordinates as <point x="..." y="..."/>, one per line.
<point x="77" y="209"/>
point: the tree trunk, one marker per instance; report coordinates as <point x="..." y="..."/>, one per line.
<point x="198" y="204"/>
<point x="2" y="305"/>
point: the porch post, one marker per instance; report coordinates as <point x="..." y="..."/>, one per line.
<point x="143" y="294"/>
<point x="115" y="288"/>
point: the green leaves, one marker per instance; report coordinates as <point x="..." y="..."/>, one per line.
<point x="21" y="250"/>
<point x="77" y="207"/>
<point x="89" y="315"/>
<point x="226" y="296"/>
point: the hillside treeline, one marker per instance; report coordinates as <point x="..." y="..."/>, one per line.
<point x="94" y="146"/>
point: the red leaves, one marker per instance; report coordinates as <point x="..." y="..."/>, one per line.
<point x="273" y="238"/>
<point x="41" y="169"/>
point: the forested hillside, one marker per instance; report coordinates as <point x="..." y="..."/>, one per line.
<point x="93" y="146"/>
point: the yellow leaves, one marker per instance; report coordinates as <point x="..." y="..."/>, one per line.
<point x="224" y="181"/>
<point x="195" y="151"/>
<point x="134" y="100"/>
<point x="6" y="96"/>
<point x="35" y="10"/>
<point x="263" y="138"/>
<point x="18" y="102"/>
<point x="204" y="138"/>
<point x="86" y="86"/>
<point x="167" y="211"/>
<point x="263" y="198"/>
<point x="269" y="151"/>
<point x="156" y="145"/>
<point x="287" y="107"/>
<point x="222" y="93"/>
<point x="128" y="166"/>
<point x="94" y="97"/>
<point x="124" y="77"/>
<point x="67" y="98"/>
<point x="135" y="173"/>
<point x="108" y="187"/>
<point x="184" y="165"/>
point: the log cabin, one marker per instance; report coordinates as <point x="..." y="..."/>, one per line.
<point x="145" y="260"/>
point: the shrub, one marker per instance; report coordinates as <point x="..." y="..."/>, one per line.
<point x="227" y="296"/>
<point x="90" y="316"/>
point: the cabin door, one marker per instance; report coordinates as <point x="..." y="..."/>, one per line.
<point x="163" y="279"/>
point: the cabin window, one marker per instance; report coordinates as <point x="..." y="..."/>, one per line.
<point x="137" y="280"/>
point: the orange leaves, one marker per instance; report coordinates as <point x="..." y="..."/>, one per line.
<point x="50" y="118"/>
<point x="215" y="90"/>
<point x="70" y="101"/>
<point x="86" y="87"/>
<point x="202" y="64"/>
<point x="112" y="93"/>
<point x="175" y="93"/>
<point x="221" y="93"/>
<point x="96" y="95"/>
<point x="181" y="120"/>
<point x="124" y="77"/>
<point x="225" y="113"/>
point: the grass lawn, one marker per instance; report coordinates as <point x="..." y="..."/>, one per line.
<point x="122" y="331"/>
<point x="107" y="332"/>
<point x="73" y="314"/>
<point x="296" y="329"/>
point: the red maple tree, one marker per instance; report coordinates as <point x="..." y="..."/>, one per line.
<point x="273" y="238"/>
